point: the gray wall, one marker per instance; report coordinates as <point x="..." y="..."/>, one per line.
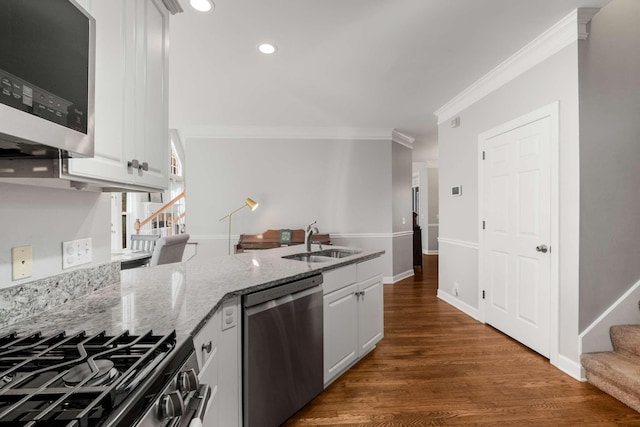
<point x="555" y="79"/>
<point x="609" y="158"/>
<point x="349" y="186"/>
<point x="44" y="218"/>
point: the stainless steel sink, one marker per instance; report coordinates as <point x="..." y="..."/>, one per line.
<point x="336" y="253"/>
<point x="322" y="256"/>
<point x="309" y="257"/>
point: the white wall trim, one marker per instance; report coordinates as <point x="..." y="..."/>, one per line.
<point x="275" y="132"/>
<point x="430" y="252"/>
<point x="566" y="31"/>
<point x="371" y="235"/>
<point x="214" y="237"/>
<point x="332" y="235"/>
<point x="601" y="325"/>
<point x="398" y="277"/>
<point x="569" y="367"/>
<point x="402" y="139"/>
<point x="456" y="242"/>
<point x="433" y="225"/>
<point x="459" y="304"/>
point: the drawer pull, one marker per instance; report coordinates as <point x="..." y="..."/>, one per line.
<point x="207" y="347"/>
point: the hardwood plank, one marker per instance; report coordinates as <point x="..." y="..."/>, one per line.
<point x="438" y="367"/>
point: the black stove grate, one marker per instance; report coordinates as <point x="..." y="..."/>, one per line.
<point x="62" y="380"/>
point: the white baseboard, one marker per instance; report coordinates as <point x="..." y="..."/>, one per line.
<point x="391" y="280"/>
<point x="566" y="365"/>
<point x="459" y="304"/>
<point x="570" y="367"/>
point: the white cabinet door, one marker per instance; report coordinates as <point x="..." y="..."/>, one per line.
<point x="207" y="351"/>
<point x="131" y="101"/>
<point x="340" y="331"/>
<point x="114" y="83"/>
<point x="370" y="314"/>
<point x="230" y="376"/>
<point x="152" y="113"/>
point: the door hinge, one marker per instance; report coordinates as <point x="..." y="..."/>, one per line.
<point x="483" y="225"/>
<point x="483" y="295"/>
<point x="483" y="155"/>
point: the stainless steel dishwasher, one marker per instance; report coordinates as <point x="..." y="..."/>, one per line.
<point x="282" y="351"/>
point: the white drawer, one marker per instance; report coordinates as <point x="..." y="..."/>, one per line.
<point x="206" y="340"/>
<point x="338" y="278"/>
<point x="370" y="268"/>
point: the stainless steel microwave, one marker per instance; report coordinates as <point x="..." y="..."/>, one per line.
<point x="47" y="75"/>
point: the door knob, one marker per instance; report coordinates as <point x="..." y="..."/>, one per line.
<point x="542" y="248"/>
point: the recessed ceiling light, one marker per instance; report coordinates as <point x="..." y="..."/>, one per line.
<point x="201" y="5"/>
<point x="267" y="48"/>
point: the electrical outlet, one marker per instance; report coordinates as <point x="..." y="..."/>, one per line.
<point x="22" y="261"/>
<point x="76" y="252"/>
<point x="456" y="289"/>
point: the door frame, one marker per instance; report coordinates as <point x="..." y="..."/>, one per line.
<point x="552" y="112"/>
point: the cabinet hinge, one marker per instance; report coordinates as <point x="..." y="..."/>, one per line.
<point x="483" y="155"/>
<point x="483" y="225"/>
<point x="482" y="294"/>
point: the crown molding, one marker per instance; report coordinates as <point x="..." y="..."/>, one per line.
<point x="275" y="132"/>
<point x="569" y="29"/>
<point x="402" y="139"/>
<point x="585" y="14"/>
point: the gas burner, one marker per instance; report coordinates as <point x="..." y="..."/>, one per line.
<point x="83" y="380"/>
<point x="83" y="373"/>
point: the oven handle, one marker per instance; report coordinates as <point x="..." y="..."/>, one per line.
<point x="201" y="398"/>
<point x="204" y="394"/>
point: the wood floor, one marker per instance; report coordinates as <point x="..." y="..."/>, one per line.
<point x="438" y="367"/>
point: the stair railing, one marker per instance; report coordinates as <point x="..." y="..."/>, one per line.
<point x="164" y="220"/>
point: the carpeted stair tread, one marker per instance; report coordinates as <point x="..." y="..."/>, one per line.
<point x="626" y="338"/>
<point x="615" y="373"/>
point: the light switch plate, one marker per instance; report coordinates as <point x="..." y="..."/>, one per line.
<point x="22" y="261"/>
<point x="76" y="252"/>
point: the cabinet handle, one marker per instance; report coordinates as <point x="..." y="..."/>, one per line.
<point x="135" y="164"/>
<point x="207" y="347"/>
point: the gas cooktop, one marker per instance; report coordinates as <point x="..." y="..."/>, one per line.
<point x="83" y="380"/>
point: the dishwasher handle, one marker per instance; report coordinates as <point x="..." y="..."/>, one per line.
<point x="277" y="292"/>
<point x="267" y="305"/>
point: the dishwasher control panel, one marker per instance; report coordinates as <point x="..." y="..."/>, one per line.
<point x="276" y="292"/>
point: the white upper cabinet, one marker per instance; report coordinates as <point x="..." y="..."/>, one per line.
<point x="131" y="130"/>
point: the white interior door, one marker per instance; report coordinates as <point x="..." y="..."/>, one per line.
<point x="517" y="230"/>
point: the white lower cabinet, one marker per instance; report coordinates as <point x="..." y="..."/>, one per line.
<point x="218" y="352"/>
<point x="340" y="331"/>
<point x="370" y="314"/>
<point x="353" y="315"/>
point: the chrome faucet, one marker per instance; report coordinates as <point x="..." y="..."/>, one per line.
<point x="307" y="235"/>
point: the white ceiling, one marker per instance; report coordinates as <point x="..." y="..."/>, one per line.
<point x="344" y="63"/>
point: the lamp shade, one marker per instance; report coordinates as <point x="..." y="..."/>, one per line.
<point x="253" y="205"/>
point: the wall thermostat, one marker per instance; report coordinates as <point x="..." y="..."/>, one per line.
<point x="456" y="191"/>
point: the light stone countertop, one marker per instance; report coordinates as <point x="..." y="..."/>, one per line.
<point x="180" y="297"/>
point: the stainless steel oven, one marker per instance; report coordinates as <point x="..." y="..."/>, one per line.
<point x="98" y="380"/>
